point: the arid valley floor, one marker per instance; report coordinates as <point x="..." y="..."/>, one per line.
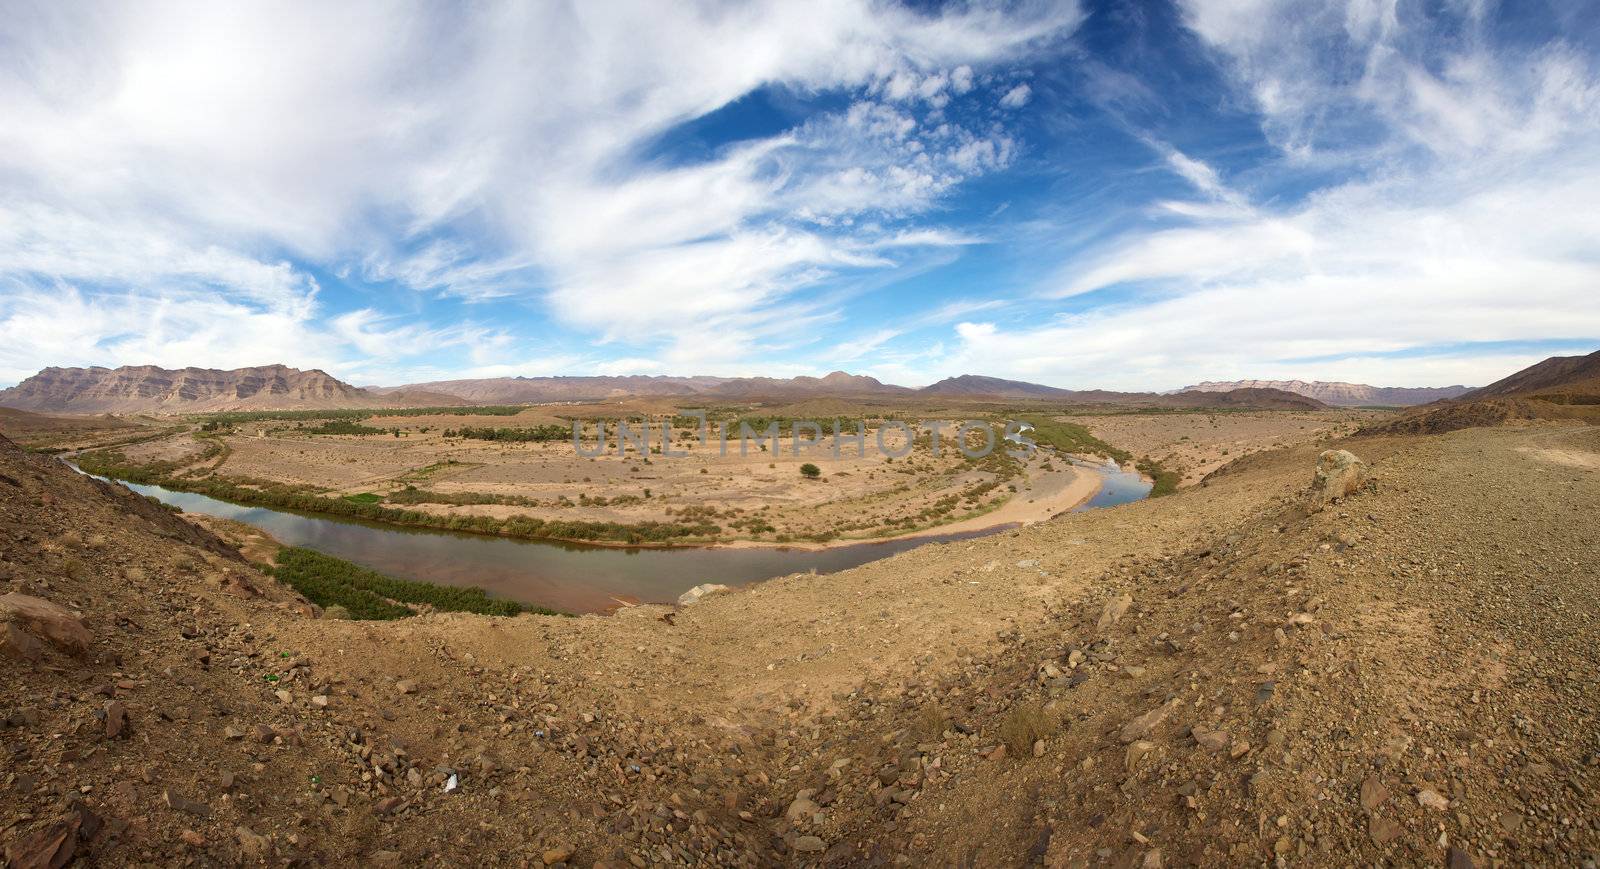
<point x="751" y="491"/>
<point x="1252" y="669"/>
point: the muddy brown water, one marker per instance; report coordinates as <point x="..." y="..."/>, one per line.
<point x="574" y="577"/>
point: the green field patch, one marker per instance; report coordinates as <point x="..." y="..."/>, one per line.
<point x="427" y="471"/>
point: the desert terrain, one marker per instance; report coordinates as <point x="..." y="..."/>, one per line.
<point x="1195" y="443"/>
<point x="1052" y="434"/>
<point x="1242" y="672"/>
<point x="1362" y="637"/>
<point x="443" y="467"/>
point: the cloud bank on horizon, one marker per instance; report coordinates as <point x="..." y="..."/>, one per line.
<point x="1099" y="194"/>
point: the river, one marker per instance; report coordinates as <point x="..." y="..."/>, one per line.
<point x="574" y="577"/>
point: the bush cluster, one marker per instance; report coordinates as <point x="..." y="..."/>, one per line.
<point x="540" y="434"/>
<point x="366" y="594"/>
<point x="116" y="466"/>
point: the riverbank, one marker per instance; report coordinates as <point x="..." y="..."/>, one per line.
<point x="1050" y="494"/>
<point x="583" y="578"/>
<point x="1045" y="492"/>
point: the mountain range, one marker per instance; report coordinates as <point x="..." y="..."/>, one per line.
<point x="1341" y="394"/>
<point x="512" y="390"/>
<point x="148" y="388"/>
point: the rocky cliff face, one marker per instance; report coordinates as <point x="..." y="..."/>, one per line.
<point x="1339" y="393"/>
<point x="146" y="388"/>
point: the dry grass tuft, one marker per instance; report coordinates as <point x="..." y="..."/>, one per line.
<point x="931" y="721"/>
<point x="1026" y="724"/>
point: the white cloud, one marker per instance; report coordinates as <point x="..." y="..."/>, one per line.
<point x="67" y="327"/>
<point x="60" y="324"/>
<point x="1470" y="220"/>
<point x="174" y="178"/>
<point x="501" y="152"/>
<point x="1017" y="97"/>
<point x="630" y="365"/>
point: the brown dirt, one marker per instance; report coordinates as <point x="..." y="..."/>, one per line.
<point x="1435" y="632"/>
<point x="1195" y="444"/>
<point x="756" y="497"/>
<point x="46" y="431"/>
<point x="1454" y="416"/>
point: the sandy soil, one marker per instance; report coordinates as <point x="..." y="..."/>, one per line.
<point x="757" y="496"/>
<point x="64" y="432"/>
<point x="1198" y="443"/>
<point x="1221" y="677"/>
<point x="1044" y="495"/>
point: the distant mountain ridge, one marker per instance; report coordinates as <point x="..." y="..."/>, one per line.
<point x="978" y="385"/>
<point x="1254" y="397"/>
<point x="519" y="390"/>
<point x="1339" y="393"/>
<point x="513" y="390"/>
<point x="140" y="388"/>
<point x="150" y="389"/>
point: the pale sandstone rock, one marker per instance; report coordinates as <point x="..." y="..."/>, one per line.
<point x="1339" y="475"/>
<point x="700" y="592"/>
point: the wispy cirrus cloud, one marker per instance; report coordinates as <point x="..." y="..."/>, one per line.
<point x="1446" y="210"/>
<point x="483" y="154"/>
<point x="719" y="187"/>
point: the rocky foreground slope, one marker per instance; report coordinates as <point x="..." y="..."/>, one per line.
<point x="1236" y="674"/>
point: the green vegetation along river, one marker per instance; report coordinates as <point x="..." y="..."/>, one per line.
<point x="572" y="577"/>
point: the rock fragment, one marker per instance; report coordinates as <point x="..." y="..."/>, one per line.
<point x="1141" y="727"/>
<point x="1114" y="610"/>
<point x="179" y="803"/>
<point x="700" y="593"/>
<point x="116" y="719"/>
<point x="1212" y="740"/>
<point x="1432" y="799"/>
<point x="1373" y="793"/>
<point x="54" y="623"/>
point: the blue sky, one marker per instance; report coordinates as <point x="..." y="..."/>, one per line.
<point x="1112" y="194"/>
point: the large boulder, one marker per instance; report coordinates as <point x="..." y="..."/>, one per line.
<point x="1339" y="475"/>
<point x="699" y="593"/>
<point x="49" y="621"/>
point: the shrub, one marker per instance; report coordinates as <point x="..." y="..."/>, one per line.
<point x="1165" y="481"/>
<point x="1026" y="724"/>
<point x="931" y="722"/>
<point x="278" y="495"/>
<point x="343" y="427"/>
<point x="367" y="594"/>
<point x="538" y="434"/>
<point x="810" y="471"/>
